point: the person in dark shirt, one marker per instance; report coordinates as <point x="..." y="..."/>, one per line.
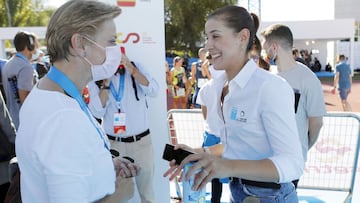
<point x="297" y="57"/>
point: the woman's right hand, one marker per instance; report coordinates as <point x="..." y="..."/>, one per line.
<point x="209" y="166"/>
<point x="174" y="169"/>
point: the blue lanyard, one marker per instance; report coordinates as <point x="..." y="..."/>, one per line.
<point x="69" y="87"/>
<point x="118" y="95"/>
<point x="22" y="56"/>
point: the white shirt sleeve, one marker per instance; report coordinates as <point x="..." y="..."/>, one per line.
<point x="153" y="88"/>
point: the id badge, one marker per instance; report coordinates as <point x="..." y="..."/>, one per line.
<point x="180" y="92"/>
<point x="119" y="123"/>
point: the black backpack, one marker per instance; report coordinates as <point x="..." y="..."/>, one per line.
<point x="7" y="133"/>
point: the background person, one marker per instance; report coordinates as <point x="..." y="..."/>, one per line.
<point x="212" y="131"/>
<point x="179" y="81"/>
<point x="343" y="81"/>
<point x="208" y="68"/>
<point x="2" y="65"/>
<point x="124" y="96"/>
<point x="308" y="93"/>
<point x="198" y="76"/>
<point x="63" y="154"/>
<point x="297" y="56"/>
<point x="18" y="75"/>
<point x="256" y="48"/>
<point x="262" y="151"/>
<point x="39" y="63"/>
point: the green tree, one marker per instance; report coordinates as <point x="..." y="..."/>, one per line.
<point x="185" y="20"/>
<point x="18" y="13"/>
<point x="21" y="13"/>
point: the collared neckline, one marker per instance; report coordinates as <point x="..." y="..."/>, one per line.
<point x="242" y="78"/>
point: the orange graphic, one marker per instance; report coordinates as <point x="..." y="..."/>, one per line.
<point x="120" y="129"/>
<point x="126" y="3"/>
<point x="135" y="38"/>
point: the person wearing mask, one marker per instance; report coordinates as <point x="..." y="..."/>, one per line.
<point x="63" y="153"/>
<point x="308" y="93"/>
<point x="297" y="56"/>
<point x="124" y="97"/>
<point x="262" y="151"/>
<point x="18" y="75"/>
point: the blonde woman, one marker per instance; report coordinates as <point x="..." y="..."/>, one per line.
<point x="179" y="81"/>
<point x="62" y="151"/>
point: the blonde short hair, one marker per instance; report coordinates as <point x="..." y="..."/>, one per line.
<point x="75" y="16"/>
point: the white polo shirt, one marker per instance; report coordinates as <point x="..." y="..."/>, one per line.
<point x="61" y="155"/>
<point x="259" y="119"/>
<point x="210" y="98"/>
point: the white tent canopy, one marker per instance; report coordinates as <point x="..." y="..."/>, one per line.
<point x="320" y="31"/>
<point x="324" y="29"/>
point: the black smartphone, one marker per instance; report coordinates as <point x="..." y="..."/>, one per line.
<point x="171" y="154"/>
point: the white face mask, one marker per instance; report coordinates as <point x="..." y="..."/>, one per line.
<point x="110" y="65"/>
<point x="272" y="59"/>
<point x="35" y="56"/>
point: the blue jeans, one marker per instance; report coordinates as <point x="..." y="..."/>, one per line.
<point x="241" y="193"/>
<point x="343" y="93"/>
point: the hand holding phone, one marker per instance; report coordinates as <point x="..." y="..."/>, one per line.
<point x="170" y="154"/>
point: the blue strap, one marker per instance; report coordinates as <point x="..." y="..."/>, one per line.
<point x="69" y="87"/>
<point x="210" y="139"/>
<point x="22" y="56"/>
<point x="118" y="95"/>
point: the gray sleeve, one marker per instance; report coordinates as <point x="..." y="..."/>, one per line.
<point x="25" y="78"/>
<point x="315" y="99"/>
